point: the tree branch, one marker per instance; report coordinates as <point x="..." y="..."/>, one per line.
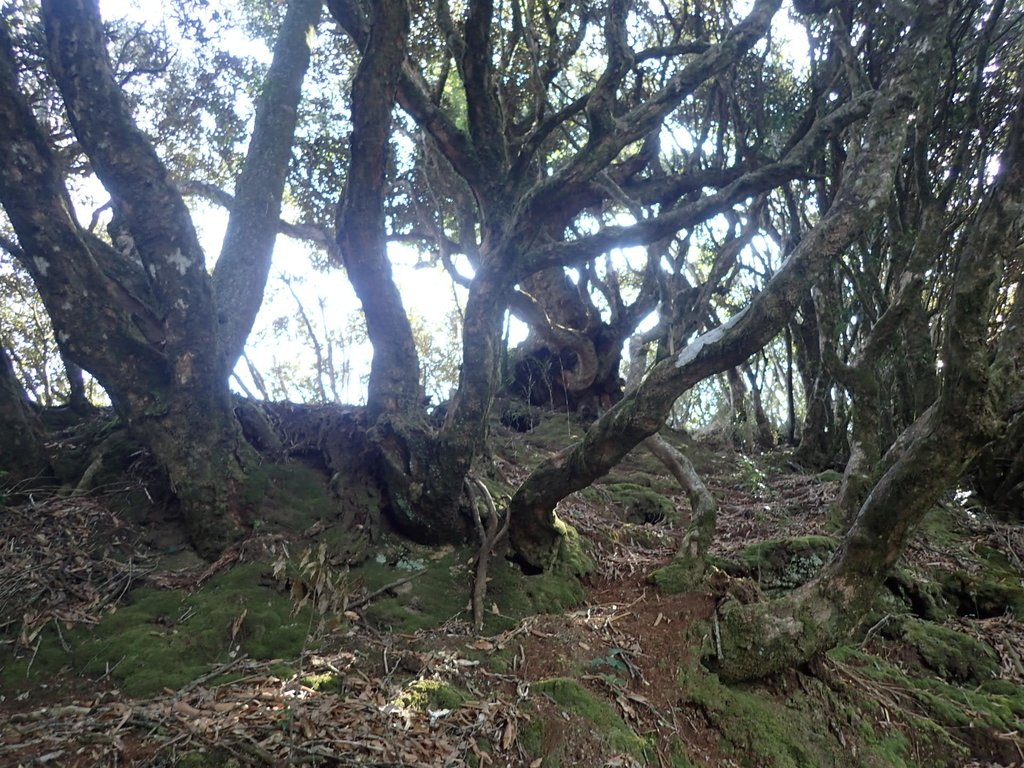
<point x="128" y="165"/>
<point x="242" y="269"/>
<point x="688" y="214"/>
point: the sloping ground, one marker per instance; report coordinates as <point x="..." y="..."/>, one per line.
<point x="119" y="648"/>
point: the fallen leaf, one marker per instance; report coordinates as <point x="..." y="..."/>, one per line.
<point x="183" y="708"/>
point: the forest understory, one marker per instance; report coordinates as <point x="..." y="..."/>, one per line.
<point x="324" y="639"/>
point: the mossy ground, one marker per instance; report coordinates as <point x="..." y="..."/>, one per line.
<point x="549" y="739"/>
<point x="784" y="563"/>
<point x="163" y="638"/>
<point x="588" y="664"/>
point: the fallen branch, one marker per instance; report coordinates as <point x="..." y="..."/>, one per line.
<point x="386" y="588"/>
<point x="477" y="491"/>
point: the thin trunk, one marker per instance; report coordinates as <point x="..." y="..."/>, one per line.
<point x="688" y="566"/>
<point x="765" y="437"/>
<point x="790" y="398"/>
<point x="77" y="397"/>
<point x="362" y="235"/>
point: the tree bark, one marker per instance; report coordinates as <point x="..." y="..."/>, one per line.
<point x="244" y="262"/>
<point x="141" y="317"/>
<point x="22" y="455"/>
<point x="362" y="235"/>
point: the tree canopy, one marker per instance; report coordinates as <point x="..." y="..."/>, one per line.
<point x="663" y="188"/>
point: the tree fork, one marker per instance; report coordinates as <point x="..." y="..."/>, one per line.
<point x="642" y="412"/>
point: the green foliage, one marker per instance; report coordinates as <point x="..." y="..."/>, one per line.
<point x="753" y="478"/>
<point x="27" y="336"/>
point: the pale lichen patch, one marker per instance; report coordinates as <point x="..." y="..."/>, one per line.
<point x="179" y="261"/>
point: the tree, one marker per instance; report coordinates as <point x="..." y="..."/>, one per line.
<point x="141" y="312"/>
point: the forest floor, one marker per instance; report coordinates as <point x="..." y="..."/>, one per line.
<point x="119" y="647"/>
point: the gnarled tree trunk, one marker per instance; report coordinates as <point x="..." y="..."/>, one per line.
<point x="533" y="532"/>
<point x="143" y="317"/>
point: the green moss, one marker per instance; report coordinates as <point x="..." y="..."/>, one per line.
<point x="785" y="563"/>
<point x="215" y="759"/>
<point x="486" y="748"/>
<point x="572" y="558"/>
<point x="442" y="588"/>
<point x="646" y="536"/>
<point x="953" y="655"/>
<point x="984" y="594"/>
<point x="326" y="682"/>
<point x="794" y="727"/>
<point x="288" y="496"/>
<point x="431" y="694"/>
<point x="921" y="595"/>
<point x="755" y="729"/>
<point x="531" y="739"/>
<point x="677" y="577"/>
<point x="165" y="638"/>
<point x="947" y="705"/>
<point x="638" y="504"/>
<point x="942" y="526"/>
<point x="678" y="756"/>
<point x="577" y="700"/>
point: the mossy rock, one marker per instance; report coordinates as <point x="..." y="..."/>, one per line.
<point x="783" y="563"/>
<point x="829" y="476"/>
<point x="924" y="597"/>
<point x="166" y="638"/>
<point x="953" y="655"/>
<point x="639" y="504"/>
<point x="985" y="594"/>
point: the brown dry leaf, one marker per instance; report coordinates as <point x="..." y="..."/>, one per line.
<point x="236" y="625"/>
<point x="184" y="708"/>
<point x="508" y="735"/>
<point x="482" y="645"/>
